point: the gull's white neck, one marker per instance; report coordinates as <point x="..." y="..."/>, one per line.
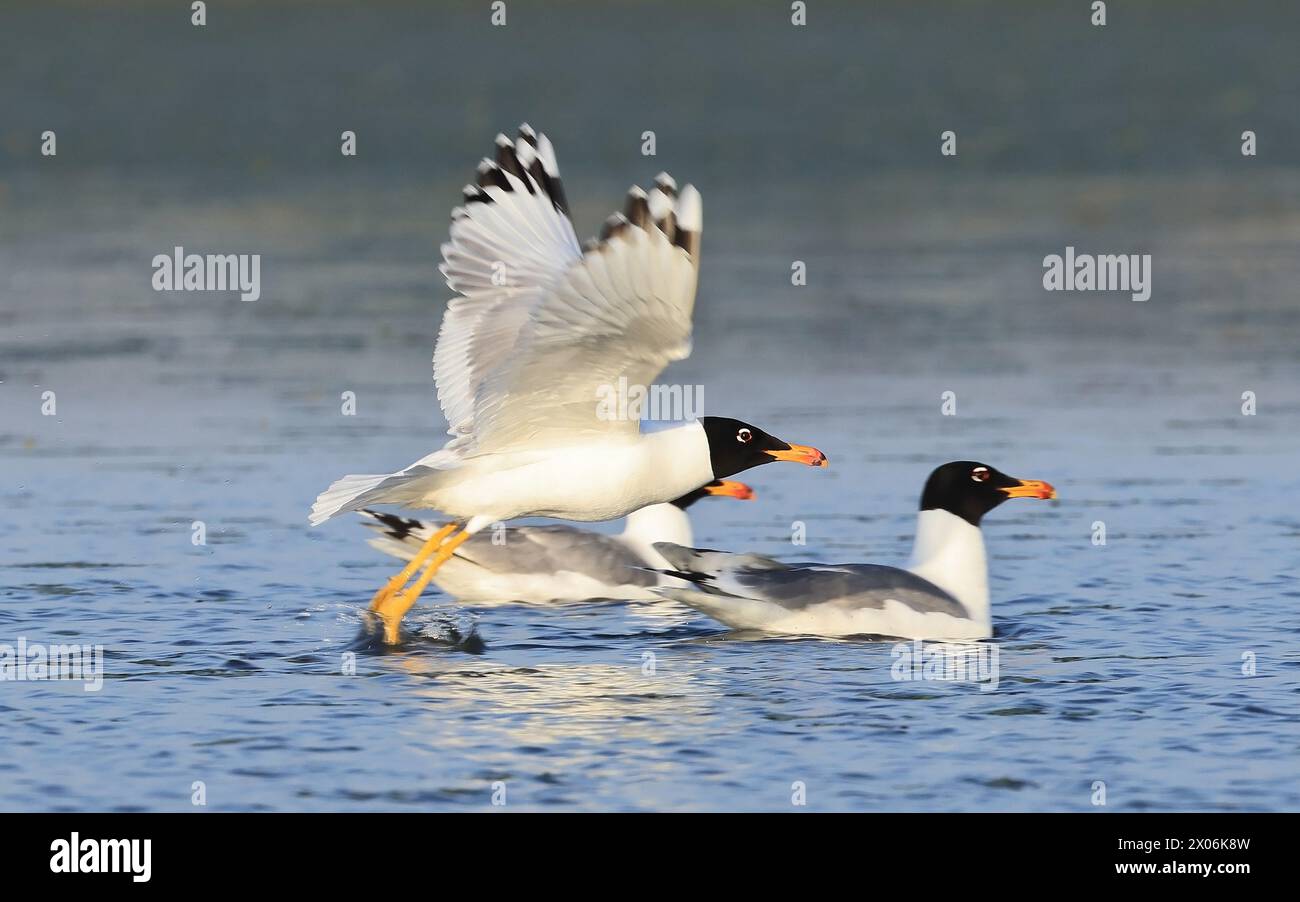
<point x="675" y="461"/>
<point x="656" y="523"/>
<point x="949" y="552"/>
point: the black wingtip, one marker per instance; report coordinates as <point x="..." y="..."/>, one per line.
<point x="614" y="225"/>
<point x="637" y="209"/>
<point x="392" y="525"/>
<point x="524" y="162"/>
<point x="508" y="160"/>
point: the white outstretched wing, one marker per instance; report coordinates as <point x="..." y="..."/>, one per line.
<point x="541" y="325"/>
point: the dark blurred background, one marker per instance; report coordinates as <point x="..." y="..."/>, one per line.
<point x="731" y="87"/>
<point x="818" y="143"/>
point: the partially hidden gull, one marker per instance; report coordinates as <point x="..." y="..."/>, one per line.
<point x="555" y="562"/>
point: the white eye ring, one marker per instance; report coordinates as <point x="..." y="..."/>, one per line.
<point x="980" y="474"/>
<point x="744" y="436"/>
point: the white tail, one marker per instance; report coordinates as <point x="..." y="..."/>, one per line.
<point x="346" y="494"/>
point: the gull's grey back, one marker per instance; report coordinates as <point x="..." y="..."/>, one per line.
<point x="552" y="548"/>
<point x="850" y="586"/>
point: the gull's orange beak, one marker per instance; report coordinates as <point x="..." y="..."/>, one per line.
<point x="1030" y="488"/>
<point x="800" y="454"/>
<point x="730" y="489"/>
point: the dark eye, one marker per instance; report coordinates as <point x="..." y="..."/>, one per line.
<point x="980" y="474"/>
<point x="744" y="436"/>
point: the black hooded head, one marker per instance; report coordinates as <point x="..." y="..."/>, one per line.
<point x="971" y="489"/>
<point x="735" y="446"/>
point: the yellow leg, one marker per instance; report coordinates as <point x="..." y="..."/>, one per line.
<point x="394" y="608"/>
<point x="428" y="548"/>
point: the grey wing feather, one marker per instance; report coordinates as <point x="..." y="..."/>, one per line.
<point x="850" y="586"/>
<point x="797" y="587"/>
<point x="551" y="549"/>
<point x="707" y="561"/>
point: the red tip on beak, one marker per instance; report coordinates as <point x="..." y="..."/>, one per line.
<point x="1031" y="488"/>
<point x="730" y="489"/>
<point x="801" y="454"/>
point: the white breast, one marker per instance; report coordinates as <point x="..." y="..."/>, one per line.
<point x="596" y="481"/>
<point x="949" y="552"/>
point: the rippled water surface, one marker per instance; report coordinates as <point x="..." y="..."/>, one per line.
<point x="225" y="663"/>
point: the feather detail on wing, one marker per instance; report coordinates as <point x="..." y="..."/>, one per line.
<point x="509" y="242"/>
<point x="542" y="325"/>
<point x="551" y="550"/>
<point x="799" y="587"/>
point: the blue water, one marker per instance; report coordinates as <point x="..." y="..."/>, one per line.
<point x="228" y="663"/>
